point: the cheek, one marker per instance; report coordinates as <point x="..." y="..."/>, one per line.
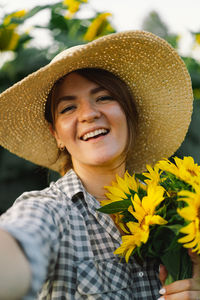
<point x="118" y="117"/>
<point x="64" y="130"/>
<point x="122" y="126"/>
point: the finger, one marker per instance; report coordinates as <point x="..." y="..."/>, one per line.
<point x="176" y="287"/>
<point x="179" y="286"/>
<point x="196" y="263"/>
<point x="162" y="274"/>
<point x="192" y="295"/>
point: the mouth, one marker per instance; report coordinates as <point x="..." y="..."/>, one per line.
<point x="94" y="134"/>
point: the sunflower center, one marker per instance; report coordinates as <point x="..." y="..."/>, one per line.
<point x="192" y="172"/>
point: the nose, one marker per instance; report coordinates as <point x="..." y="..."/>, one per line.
<point x="88" y="112"/>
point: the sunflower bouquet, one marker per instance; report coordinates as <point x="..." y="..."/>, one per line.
<point x="159" y="214"/>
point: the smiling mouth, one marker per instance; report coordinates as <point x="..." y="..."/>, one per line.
<point x="94" y="134"/>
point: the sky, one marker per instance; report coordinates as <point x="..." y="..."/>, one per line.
<point x="181" y="16"/>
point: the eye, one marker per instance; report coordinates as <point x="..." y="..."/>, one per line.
<point x="67" y="109"/>
<point x="105" y="98"/>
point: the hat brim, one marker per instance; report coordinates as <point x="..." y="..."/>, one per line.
<point x="155" y="74"/>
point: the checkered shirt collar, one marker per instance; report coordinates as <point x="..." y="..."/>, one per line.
<point x="72" y="187"/>
<point x="71" y="184"/>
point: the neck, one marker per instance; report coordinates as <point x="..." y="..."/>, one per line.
<point x="95" y="178"/>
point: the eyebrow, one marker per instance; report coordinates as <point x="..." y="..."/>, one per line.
<point x="71" y="97"/>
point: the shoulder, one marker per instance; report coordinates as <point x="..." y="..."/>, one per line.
<point x="57" y="198"/>
<point x="52" y="204"/>
<point x="46" y="197"/>
<point x="57" y="191"/>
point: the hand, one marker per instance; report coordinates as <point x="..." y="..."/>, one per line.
<point x="182" y="289"/>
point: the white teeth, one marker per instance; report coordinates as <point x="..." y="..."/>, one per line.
<point x="93" y="133"/>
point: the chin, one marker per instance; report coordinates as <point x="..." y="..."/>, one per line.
<point x="107" y="161"/>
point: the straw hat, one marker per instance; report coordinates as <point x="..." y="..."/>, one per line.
<point x="154" y="72"/>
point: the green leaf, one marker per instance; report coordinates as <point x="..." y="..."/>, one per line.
<point x="127" y="217"/>
<point x="37" y="9"/>
<point x="160" y="239"/>
<point x="140" y="177"/>
<point x="175" y="228"/>
<point x="177" y="263"/>
<point x="141" y="193"/>
<point x="115" y="207"/>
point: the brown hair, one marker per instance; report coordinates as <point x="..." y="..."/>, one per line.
<point x="118" y="89"/>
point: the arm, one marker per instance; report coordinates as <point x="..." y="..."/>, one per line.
<point x="182" y="289"/>
<point x="15" y="272"/>
<point x="34" y="221"/>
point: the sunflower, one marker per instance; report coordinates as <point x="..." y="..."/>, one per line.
<point x="185" y="169"/>
<point x="144" y="211"/>
<point x="131" y="241"/>
<point x="191" y="214"/>
<point x="121" y="189"/>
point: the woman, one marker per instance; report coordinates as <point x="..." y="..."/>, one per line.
<point x="117" y="103"/>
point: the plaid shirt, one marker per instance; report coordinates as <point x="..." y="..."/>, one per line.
<point x="70" y="246"/>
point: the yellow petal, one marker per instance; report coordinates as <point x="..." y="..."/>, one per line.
<point x="189" y="213"/>
<point x="139" y="212"/>
<point x="136" y="199"/>
<point x="119" y="251"/>
<point x="113" y="197"/>
<point x="145" y="236"/>
<point x="128" y="253"/>
<point x="116" y="191"/>
<point x="93" y="29"/>
<point x="190" y="245"/>
<point x="186" y="239"/>
<point x="190" y="228"/>
<point x="122" y="184"/>
<point x="153" y="198"/>
<point x="105" y="202"/>
<point x="121" y="225"/>
<point x="133" y="226"/>
<point x="131" y="181"/>
<point x="186" y="194"/>
<point x="151" y="220"/>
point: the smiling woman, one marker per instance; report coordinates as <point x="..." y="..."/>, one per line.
<point x="117" y="103"/>
<point x="105" y="88"/>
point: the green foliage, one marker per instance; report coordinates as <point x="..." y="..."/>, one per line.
<point x="181" y="266"/>
<point x="191" y="144"/>
<point x="115" y="207"/>
<point x="21" y="66"/>
<point x="154" y="24"/>
<point x="194" y="70"/>
<point x="66" y="32"/>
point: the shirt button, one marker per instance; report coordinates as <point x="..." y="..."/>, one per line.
<point x="140" y="274"/>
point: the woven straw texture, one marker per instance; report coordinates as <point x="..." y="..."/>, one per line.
<point x="156" y="75"/>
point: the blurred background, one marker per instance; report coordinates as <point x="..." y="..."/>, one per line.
<point x="33" y="32"/>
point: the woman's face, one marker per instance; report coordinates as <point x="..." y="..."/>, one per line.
<point x="89" y="123"/>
